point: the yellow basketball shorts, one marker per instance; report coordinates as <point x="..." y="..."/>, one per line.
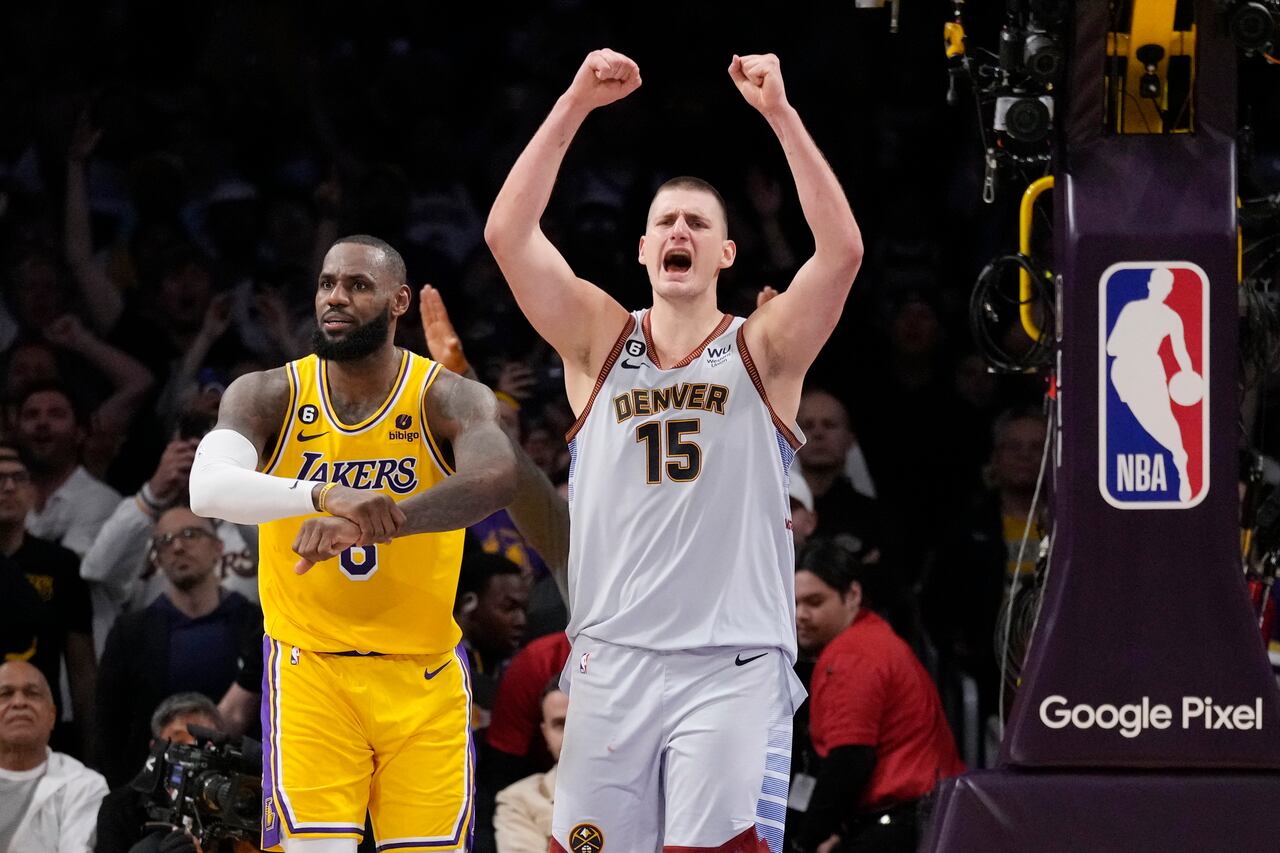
<point x="387" y="733"/>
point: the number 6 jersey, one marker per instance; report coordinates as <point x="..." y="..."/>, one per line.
<point x="679" y="501"/>
<point x="394" y="598"/>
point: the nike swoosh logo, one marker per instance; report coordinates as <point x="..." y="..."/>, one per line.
<point x="302" y="436"/>
<point x="430" y="674"/>
<point x="741" y="661"/>
<point x="629" y="366"/>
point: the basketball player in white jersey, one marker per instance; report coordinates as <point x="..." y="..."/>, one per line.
<point x="681" y="564"/>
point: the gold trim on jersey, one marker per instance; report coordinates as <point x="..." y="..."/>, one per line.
<point x="429" y="438"/>
<point x="282" y="437"/>
<point x="397" y="387"/>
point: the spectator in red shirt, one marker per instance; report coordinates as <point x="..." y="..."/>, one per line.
<point x="516" y="746"/>
<point x="875" y="717"/>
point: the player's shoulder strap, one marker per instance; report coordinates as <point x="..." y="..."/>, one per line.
<point x="620" y="343"/>
<point x="426" y="371"/>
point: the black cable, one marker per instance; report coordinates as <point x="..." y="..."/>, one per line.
<point x="1258" y="267"/>
<point x="988" y="308"/>
<point x="1186" y="101"/>
<point x="977" y="102"/>
<point x="1014" y="626"/>
<point x="1141" y="114"/>
<point x="1253" y="244"/>
<point x="1259" y="334"/>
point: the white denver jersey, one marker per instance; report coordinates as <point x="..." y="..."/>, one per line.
<point x="679" y="502"/>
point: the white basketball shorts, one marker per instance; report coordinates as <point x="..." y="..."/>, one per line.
<point x="685" y="751"/>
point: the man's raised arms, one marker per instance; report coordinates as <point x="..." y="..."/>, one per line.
<point x="786" y="333"/>
<point x="579" y="319"/>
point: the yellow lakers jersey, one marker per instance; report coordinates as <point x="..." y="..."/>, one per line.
<point x="392" y="598"/>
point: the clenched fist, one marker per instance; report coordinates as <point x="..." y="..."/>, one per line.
<point x="375" y="514"/>
<point x="322" y="539"/>
<point x="759" y="79"/>
<point x="605" y="76"/>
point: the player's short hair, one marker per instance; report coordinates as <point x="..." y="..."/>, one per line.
<point x="390" y="257"/>
<point x="832" y="563"/>
<point x="688" y="182"/>
<point x="182" y="705"/>
<point x="480" y="567"/>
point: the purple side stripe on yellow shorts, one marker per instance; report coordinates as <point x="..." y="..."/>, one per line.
<point x="275" y="800"/>
<point x="270" y="814"/>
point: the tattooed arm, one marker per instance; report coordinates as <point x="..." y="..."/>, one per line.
<point x="464" y="413"/>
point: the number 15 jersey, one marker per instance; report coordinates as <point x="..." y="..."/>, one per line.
<point x="678" y="494"/>
<point x="394" y="598"/>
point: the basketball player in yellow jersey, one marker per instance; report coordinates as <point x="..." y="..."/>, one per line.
<point x="362" y="464"/>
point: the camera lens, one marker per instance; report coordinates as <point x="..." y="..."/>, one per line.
<point x="1042" y="57"/>
<point x="1251" y="26"/>
<point x="1027" y="120"/>
<point x="214" y="788"/>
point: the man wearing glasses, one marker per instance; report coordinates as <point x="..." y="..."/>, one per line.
<point x="196" y="636"/>
<point x="46" y="616"/>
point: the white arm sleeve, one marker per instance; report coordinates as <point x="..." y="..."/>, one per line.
<point x="225" y="485"/>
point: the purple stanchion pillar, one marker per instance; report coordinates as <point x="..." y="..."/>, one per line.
<point x="1147" y="708"/>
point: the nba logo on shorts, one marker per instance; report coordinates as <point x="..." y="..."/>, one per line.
<point x="1153" y="385"/>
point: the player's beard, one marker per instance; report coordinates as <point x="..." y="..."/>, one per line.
<point x="362" y="341"/>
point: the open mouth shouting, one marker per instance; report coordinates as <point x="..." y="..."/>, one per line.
<point x="677" y="261"/>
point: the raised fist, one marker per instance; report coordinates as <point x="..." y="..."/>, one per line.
<point x="605" y="76"/>
<point x="174" y="469"/>
<point x="759" y="79"/>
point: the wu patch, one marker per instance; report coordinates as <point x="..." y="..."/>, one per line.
<point x="1153" y="385"/>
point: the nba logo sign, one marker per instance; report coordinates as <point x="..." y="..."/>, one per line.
<point x="1153" y="385"/>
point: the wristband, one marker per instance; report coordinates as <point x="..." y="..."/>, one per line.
<point x="149" y="498"/>
<point x="146" y="508"/>
<point x="324" y="490"/>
